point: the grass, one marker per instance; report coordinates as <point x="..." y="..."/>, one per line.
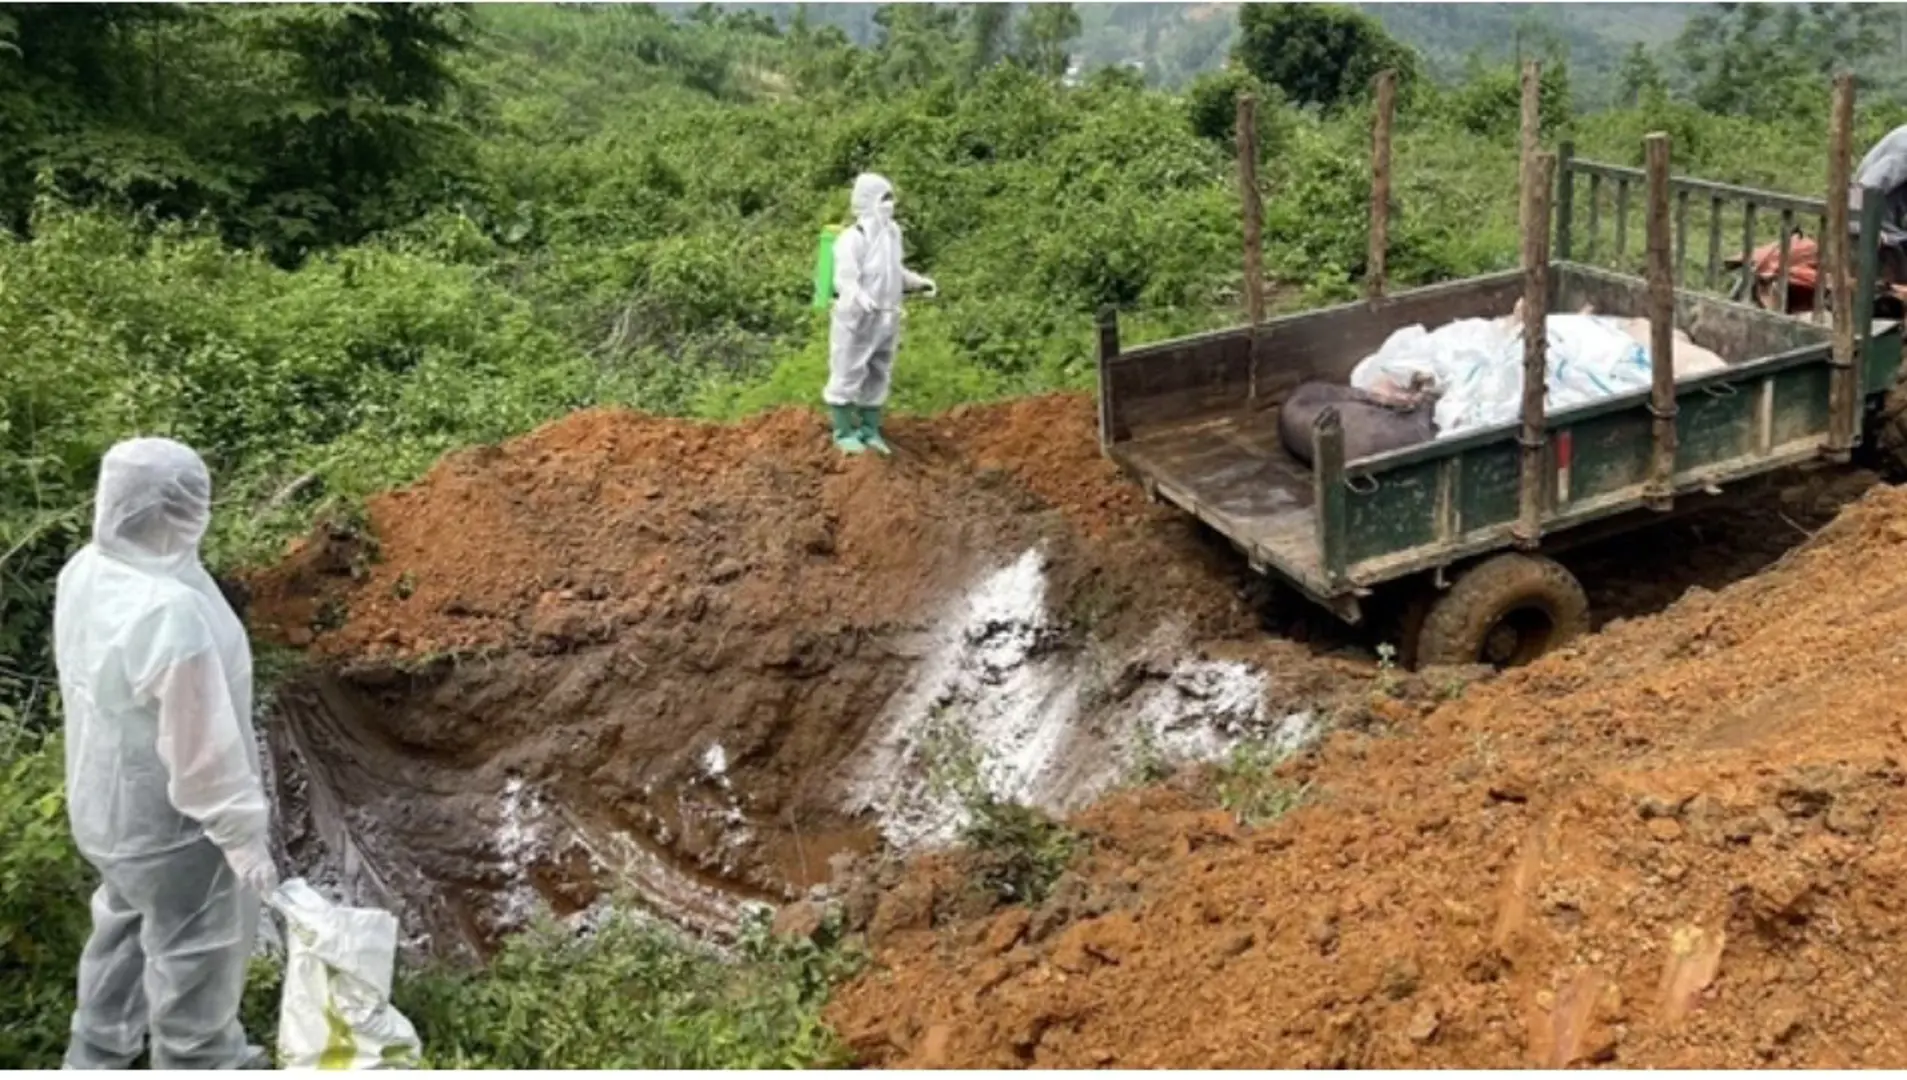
<point x="1249" y="786"/>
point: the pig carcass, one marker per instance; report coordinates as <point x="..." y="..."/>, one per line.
<point x="1373" y="423"/>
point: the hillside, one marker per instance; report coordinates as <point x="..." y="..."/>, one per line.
<point x="494" y="326"/>
<point x="1174" y="43"/>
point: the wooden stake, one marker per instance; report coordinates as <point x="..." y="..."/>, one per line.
<point x="1375" y="264"/>
<point x="1531" y="131"/>
<point x="1530" y="478"/>
<point x="1254" y="227"/>
<point x="1660" y="491"/>
<point x="1110" y="429"/>
<point x="1328" y="492"/>
<point x="1843" y="392"/>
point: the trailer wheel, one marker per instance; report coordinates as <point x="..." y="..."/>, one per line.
<point x="1887" y="446"/>
<point x="1505" y="612"/>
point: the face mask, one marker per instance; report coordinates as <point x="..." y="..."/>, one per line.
<point x="884" y="210"/>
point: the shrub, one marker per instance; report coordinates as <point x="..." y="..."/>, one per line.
<point x="632" y="994"/>
<point x="43" y="893"/>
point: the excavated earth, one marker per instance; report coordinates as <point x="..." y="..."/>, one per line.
<point x="692" y="666"/>
<point x="692" y="661"/>
<point x="1675" y="846"/>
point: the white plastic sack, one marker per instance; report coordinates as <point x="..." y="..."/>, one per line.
<point x="337" y="1011"/>
<point x="1590" y="358"/>
<point x="1686" y="357"/>
<point x="1464" y="361"/>
<point x="1476" y="366"/>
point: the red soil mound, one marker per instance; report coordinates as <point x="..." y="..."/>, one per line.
<point x="676" y="632"/>
<point x="610" y="519"/>
<point x="1675" y="846"/>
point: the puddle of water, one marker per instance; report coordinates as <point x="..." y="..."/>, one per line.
<point x="671" y="894"/>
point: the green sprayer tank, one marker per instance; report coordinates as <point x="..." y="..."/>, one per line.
<point x="824" y="267"/>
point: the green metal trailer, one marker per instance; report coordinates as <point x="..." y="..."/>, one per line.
<point x="1195" y="420"/>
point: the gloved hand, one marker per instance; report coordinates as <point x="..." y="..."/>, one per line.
<point x="928" y="285"/>
<point x="253" y="865"/>
<point x="859" y="306"/>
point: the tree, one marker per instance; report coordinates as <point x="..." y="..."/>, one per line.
<point x="1318" y="54"/>
<point x="82" y="98"/>
<point x="1490" y="100"/>
<point x="1211" y="103"/>
<point x="918" y="43"/>
<point x="1639" y="78"/>
<point x="293" y="126"/>
<point x="1045" y="31"/>
<point x="364" y="118"/>
<point x="987" y="27"/>
<point x="1765" y="60"/>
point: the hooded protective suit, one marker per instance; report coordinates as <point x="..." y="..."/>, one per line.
<point x="1884" y="168"/>
<point x="868" y="283"/>
<point x="162" y="771"/>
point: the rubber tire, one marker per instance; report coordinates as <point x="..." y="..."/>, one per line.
<point x="1885" y="447"/>
<point x="1459" y="622"/>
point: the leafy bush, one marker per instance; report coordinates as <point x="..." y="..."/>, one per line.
<point x="1250" y="787"/>
<point x="1490" y="101"/>
<point x="43" y="893"/>
<point x="1017" y="852"/>
<point x="1211" y="104"/>
<point x="632" y="994"/>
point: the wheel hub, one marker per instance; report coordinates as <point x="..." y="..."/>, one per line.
<point x="1520" y="636"/>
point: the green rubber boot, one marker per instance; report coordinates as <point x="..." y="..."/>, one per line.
<point x="871" y="432"/>
<point x="847" y="434"/>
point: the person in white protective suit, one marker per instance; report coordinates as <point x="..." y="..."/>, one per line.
<point x="162" y="773"/>
<point x="869" y="281"/>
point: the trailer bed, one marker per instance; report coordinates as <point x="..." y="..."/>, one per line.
<point x="1233" y="473"/>
<point x="1196" y="421"/>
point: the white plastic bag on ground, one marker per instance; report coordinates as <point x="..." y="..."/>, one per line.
<point x="337" y="1011"/>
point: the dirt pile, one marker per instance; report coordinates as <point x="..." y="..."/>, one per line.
<point x="1676" y="846"/>
<point x="610" y="520"/>
<point x="693" y="660"/>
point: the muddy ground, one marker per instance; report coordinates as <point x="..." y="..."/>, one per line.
<point x="702" y="665"/>
<point x="697" y="658"/>
<point x="1674" y="846"/>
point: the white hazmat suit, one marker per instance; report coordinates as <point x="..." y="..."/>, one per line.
<point x="1884" y="168"/>
<point x="869" y="281"/>
<point x="162" y="772"/>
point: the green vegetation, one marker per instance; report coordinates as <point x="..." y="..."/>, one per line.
<point x="1017" y="852"/>
<point x="43" y="892"/>
<point x="633" y="995"/>
<point x="326" y="245"/>
<point x="626" y="994"/>
<point x="1249" y="786"/>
